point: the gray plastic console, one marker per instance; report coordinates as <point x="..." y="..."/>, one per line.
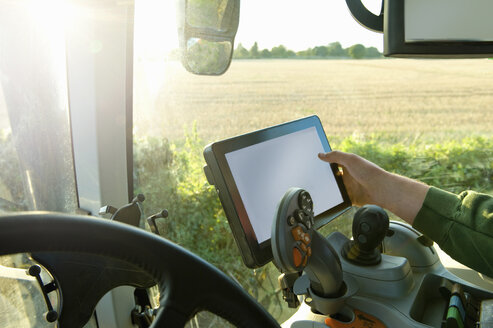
<point x="401" y="291"/>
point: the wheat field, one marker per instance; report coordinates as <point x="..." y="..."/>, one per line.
<point x="397" y="98"/>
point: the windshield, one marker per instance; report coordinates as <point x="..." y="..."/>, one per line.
<point x="427" y="119"/>
<point x="36" y="162"/>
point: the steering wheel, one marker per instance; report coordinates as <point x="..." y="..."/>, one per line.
<point x="187" y="283"/>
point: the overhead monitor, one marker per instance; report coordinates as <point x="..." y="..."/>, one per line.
<point x="431" y="29"/>
<point x="438" y="28"/>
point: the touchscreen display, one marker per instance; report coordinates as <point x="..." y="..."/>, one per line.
<point x="263" y="172"/>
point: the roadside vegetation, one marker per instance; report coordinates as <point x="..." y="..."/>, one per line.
<point x="332" y="50"/>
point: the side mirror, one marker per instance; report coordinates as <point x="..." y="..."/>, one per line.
<point x="435" y="29"/>
<point x="207" y="29"/>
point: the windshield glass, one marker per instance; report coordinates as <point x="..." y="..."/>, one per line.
<point x="36" y="162"/>
<point x="426" y="119"/>
<point x="34" y="121"/>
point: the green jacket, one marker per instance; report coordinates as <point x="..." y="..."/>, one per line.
<point x="462" y="225"/>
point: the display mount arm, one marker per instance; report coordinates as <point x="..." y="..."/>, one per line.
<point x="365" y="17"/>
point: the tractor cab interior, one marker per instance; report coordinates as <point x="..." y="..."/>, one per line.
<point x="156" y="173"/>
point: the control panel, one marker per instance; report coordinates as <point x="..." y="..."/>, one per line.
<point x="387" y="275"/>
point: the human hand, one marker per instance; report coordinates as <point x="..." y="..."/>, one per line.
<point x="367" y="183"/>
<point x="360" y="176"/>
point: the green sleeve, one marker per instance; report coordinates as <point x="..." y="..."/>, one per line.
<point x="462" y="225"/>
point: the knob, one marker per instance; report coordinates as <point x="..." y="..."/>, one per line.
<point x="370" y="225"/>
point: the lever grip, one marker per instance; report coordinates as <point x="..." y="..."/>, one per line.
<point x="324" y="268"/>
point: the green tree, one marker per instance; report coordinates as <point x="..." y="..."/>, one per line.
<point x="241" y="52"/>
<point x="265" y="53"/>
<point x="335" y="49"/>
<point x="305" y="53"/>
<point x="254" y="51"/>
<point x="357" y="51"/>
<point x="372" y="52"/>
<point x="279" y="52"/>
<point x="290" y="54"/>
<point x="321" y="51"/>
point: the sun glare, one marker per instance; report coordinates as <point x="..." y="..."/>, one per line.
<point x="51" y="15"/>
<point x="155" y="28"/>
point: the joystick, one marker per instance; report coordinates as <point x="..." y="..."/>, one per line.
<point x="297" y="247"/>
<point x="370" y="225"/>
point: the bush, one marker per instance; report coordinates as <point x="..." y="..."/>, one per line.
<point x="174" y="179"/>
<point x="454" y="166"/>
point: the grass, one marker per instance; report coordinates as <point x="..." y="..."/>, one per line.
<point x="396" y="99"/>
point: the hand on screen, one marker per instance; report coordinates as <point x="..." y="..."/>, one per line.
<point x="362" y="178"/>
<point x="367" y="183"/>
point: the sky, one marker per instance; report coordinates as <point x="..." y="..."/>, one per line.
<point x="296" y="24"/>
<point x="302" y="24"/>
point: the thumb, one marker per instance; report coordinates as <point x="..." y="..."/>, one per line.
<point x="333" y="157"/>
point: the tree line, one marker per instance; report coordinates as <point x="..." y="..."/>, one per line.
<point x="333" y="50"/>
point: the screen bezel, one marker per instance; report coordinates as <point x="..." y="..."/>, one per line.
<point x="262" y="252"/>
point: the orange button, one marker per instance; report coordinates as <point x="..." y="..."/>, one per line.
<point x="303" y="247"/>
<point x="306" y="239"/>
<point x="297" y="233"/>
<point x="297" y="257"/>
<point x="360" y="320"/>
<point x="309" y="251"/>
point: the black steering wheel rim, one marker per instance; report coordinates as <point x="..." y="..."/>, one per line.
<point x="188" y="284"/>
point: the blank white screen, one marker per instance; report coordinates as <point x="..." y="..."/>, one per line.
<point x="448" y="20"/>
<point x="264" y="172"/>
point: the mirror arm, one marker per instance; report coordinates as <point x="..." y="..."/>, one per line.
<point x="365" y="17"/>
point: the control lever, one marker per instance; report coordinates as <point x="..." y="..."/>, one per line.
<point x="129" y="213"/>
<point x="370" y="226"/>
<point x="132" y="212"/>
<point x="297" y="247"/>
<point x="152" y="221"/>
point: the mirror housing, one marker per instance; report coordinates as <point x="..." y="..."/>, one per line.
<point x="431" y="29"/>
<point x="207" y="29"/>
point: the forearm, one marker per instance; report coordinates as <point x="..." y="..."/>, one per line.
<point x="402" y="196"/>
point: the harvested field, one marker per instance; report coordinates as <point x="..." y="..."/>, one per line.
<point x="400" y="99"/>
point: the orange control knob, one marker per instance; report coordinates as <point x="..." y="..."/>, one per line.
<point x="297" y="257"/>
<point x="297" y="233"/>
<point x="306" y="239"/>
